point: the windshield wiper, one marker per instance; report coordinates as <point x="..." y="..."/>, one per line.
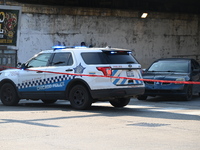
<point x="161" y="71"/>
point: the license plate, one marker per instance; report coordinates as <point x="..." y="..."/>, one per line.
<point x="130" y="73"/>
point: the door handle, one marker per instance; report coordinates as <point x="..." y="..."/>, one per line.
<point x="69" y="70"/>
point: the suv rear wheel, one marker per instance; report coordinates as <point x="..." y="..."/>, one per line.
<point x="9" y="95"/>
<point x="120" y="102"/>
<point x="80" y="97"/>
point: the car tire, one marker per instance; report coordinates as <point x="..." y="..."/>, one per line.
<point x="48" y="101"/>
<point x="9" y="95"/>
<point x="80" y="98"/>
<point x="142" y="97"/>
<point x="188" y="93"/>
<point x="120" y="102"/>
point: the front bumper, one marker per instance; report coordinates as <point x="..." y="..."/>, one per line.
<point x="164" y="90"/>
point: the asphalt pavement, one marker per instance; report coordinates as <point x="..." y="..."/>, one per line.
<point x="154" y="124"/>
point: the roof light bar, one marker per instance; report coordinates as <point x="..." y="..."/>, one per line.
<point x="80" y="47"/>
<point x="112" y="52"/>
<point x="58" y="47"/>
<point x="63" y="47"/>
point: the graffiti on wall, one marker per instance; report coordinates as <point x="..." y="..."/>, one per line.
<point x="8" y="26"/>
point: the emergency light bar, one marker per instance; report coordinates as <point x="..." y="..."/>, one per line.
<point x="58" y="47"/>
<point x="63" y="47"/>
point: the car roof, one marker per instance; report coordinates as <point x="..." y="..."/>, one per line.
<point x="174" y="59"/>
<point x="86" y="49"/>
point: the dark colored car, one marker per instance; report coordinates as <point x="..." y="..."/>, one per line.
<point x="172" y="69"/>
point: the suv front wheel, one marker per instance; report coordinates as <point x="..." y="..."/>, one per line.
<point x="80" y="97"/>
<point x="9" y="95"/>
<point x="120" y="102"/>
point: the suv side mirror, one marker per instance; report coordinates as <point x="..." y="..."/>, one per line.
<point x="19" y="65"/>
<point x="23" y="66"/>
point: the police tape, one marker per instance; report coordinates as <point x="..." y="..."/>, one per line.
<point x="103" y="76"/>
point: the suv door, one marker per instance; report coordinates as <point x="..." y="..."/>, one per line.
<point x="62" y="62"/>
<point x="31" y="81"/>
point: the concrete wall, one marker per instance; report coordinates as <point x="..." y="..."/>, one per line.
<point x="158" y="36"/>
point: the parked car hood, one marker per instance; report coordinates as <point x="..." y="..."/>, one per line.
<point x="165" y="75"/>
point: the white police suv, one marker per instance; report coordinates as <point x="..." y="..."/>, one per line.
<point x="79" y="74"/>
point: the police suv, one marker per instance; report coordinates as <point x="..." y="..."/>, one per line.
<point x="79" y="74"/>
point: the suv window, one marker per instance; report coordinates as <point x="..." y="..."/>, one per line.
<point x="94" y="58"/>
<point x="108" y="57"/>
<point x="40" y="60"/>
<point x="121" y="57"/>
<point x="62" y="59"/>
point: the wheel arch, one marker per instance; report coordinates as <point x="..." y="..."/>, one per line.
<point x="11" y="82"/>
<point x="76" y="82"/>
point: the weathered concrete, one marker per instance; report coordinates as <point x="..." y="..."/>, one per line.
<point x="160" y="35"/>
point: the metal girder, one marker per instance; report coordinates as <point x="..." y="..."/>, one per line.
<point x="177" y="6"/>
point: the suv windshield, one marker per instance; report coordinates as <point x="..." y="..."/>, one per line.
<point x="108" y="57"/>
<point x="40" y="60"/>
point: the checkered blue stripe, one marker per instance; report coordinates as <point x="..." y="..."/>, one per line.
<point x="45" y="81"/>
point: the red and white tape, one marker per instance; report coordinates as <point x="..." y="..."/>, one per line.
<point x="129" y="78"/>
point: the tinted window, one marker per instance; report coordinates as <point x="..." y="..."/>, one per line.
<point x="94" y="58"/>
<point x="62" y="59"/>
<point x="108" y="57"/>
<point x="170" y="66"/>
<point x="40" y="60"/>
<point x="120" y="57"/>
